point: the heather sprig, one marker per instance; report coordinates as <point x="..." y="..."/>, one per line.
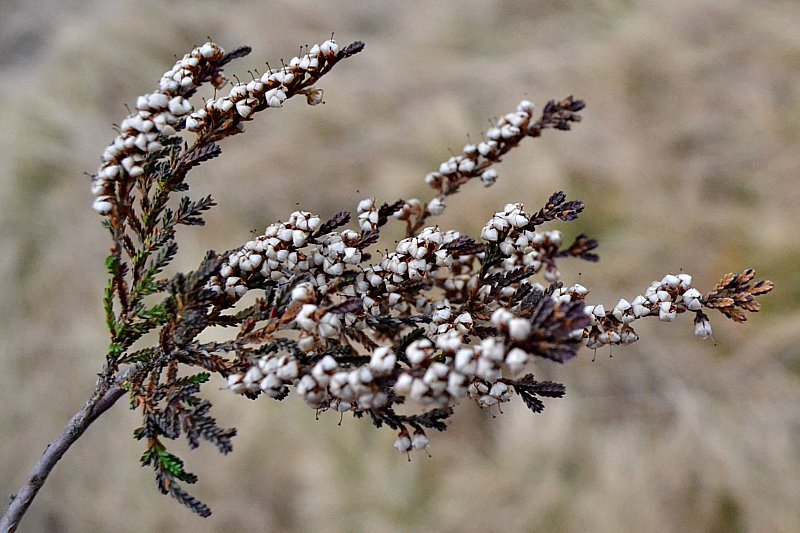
<point x="441" y="318"/>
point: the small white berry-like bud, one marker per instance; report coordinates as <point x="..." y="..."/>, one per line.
<point x="619" y="310"/>
<point x="225" y="104"/>
<point x="382" y="360"/>
<point x="103" y="205"/>
<point x="516" y="360"/>
<point x="508" y="131"/>
<point x="99" y="186"/>
<point x="365" y="205"/>
<point x="252" y="376"/>
<point x="157" y="101"/>
<point x="436" y="206"/>
<point x="525" y="106"/>
<point x="702" y="326"/>
<point x="207" y="50"/>
<point x="628" y="336"/>
<point x="487" y="149"/>
<point x="329" y="48"/>
<point x="610" y="337"/>
<point x="403" y="384"/>
<point x="490" y="234"/>
<point x="501" y="316"/>
<point x="142" y="103"/>
<point x="670" y="281"/>
<point x="666" y="313"/>
<point x="489" y="177"/>
<point x="640" y="310"/>
<point x="303" y="292"/>
<point x="243" y="109"/>
<point x="403" y="443"/>
<point x="419" y="441"/>
<point x="519" y="329"/>
<point x="691" y="294"/>
<point x="235" y="383"/>
<point x="179" y="106"/>
<point x="238" y="91"/>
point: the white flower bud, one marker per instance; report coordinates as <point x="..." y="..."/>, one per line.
<point x="666" y="313"/>
<point x="519" y="329"/>
<point x="303" y="292"/>
<point x="225" y="104"/>
<point x="179" y="106"/>
<point x="403" y="443"/>
<point x="420" y="441"/>
<point x="99" y="186"/>
<point x="490" y="234"/>
<point x="436" y="206"/>
<point x="489" y="177"/>
<point x="235" y="383"/>
<point x="103" y="205"/>
<point x="525" y="106"/>
<point x="516" y="360"/>
<point x="244" y="110"/>
<point x="329" y="48"/>
<point x="403" y="384"/>
<point x="702" y="326"/>
<point x="208" y="50"/>
<point x="670" y="281"/>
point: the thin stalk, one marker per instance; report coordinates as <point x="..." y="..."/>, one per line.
<point x="98" y="404"/>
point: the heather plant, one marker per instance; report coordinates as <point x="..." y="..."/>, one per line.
<point x="398" y="336"/>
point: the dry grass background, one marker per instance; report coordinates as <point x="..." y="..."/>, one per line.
<point x="687" y="159"/>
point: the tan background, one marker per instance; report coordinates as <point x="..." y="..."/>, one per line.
<point x="687" y="159"/>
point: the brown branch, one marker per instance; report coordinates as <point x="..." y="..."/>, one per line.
<point x="94" y="407"/>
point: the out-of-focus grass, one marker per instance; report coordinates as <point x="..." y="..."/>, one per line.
<point x="687" y="159"/>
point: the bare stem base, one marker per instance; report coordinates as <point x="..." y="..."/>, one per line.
<point x="99" y="403"/>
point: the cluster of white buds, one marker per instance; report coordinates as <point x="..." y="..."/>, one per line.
<point x="462" y="354"/>
<point x="367" y="214"/>
<point x="520" y="246"/>
<point x="274" y="255"/>
<point x="442" y="317"/>
<point x="157" y="114"/>
<point x="430" y="381"/>
<point x="672" y="295"/>
<point x="414" y="259"/>
<point x="438" y="370"/>
<point x="406" y="443"/>
<point x="527" y="248"/>
<point x="475" y="160"/>
<point x="412" y="208"/>
<point x="224" y="115"/>
<point x="284" y="251"/>
<point x="511" y="217"/>
<point x="313" y="386"/>
<point x="487" y="396"/>
<point x="270" y="374"/>
<point x="668" y="293"/>
<point x="316" y="325"/>
<point x="355" y="389"/>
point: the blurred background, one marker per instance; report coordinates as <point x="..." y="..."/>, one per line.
<point x="687" y="159"/>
